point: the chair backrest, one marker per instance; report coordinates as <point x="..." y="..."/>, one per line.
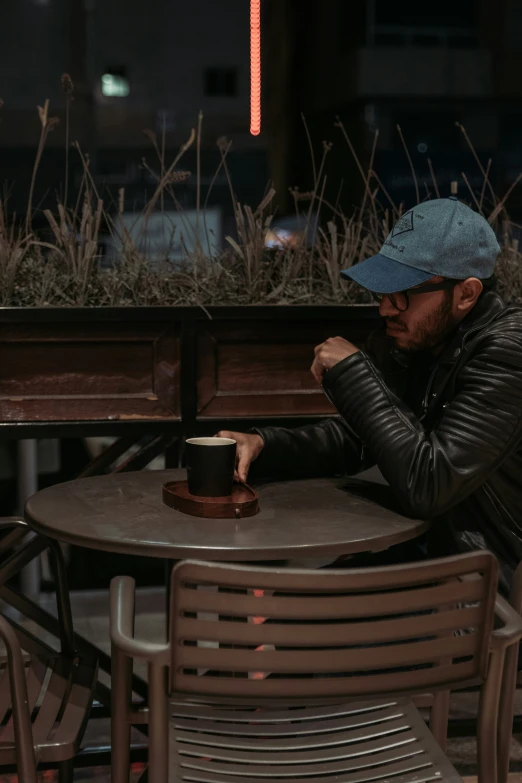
<point x="270" y="632"/>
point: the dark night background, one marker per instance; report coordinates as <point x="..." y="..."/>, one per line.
<point x="373" y="63"/>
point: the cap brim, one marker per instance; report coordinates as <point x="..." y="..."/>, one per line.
<point x="385" y="276"/>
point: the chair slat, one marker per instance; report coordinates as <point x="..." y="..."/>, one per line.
<point x="337" y="607"/>
<point x="69" y="731"/>
<point x="327" y="635"/>
<point x="413" y="681"/>
<point x="417" y="764"/>
<point x="301" y="716"/>
<point x="56" y="693"/>
<point x="345" y="746"/>
<point x="411" y="777"/>
<point x="333" y="580"/>
<point x="298" y="734"/>
<point x="320" y="661"/>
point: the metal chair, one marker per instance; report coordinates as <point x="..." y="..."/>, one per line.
<point x="288" y="654"/>
<point x="46" y="696"/>
<point x="511" y="679"/>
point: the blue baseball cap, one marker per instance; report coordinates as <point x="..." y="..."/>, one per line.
<point x="439" y="237"/>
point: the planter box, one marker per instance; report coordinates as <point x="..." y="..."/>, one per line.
<point x="167" y="364"/>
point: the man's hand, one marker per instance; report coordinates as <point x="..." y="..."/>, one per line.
<point x="330" y="353"/>
<point x="249" y="447"/>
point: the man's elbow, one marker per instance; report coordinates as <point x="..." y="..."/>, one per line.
<point x="424" y="507"/>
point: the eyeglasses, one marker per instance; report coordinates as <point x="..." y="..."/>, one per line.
<point x="401" y="299"/>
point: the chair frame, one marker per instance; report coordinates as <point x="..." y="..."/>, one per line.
<point x="159" y="656"/>
<point x="21" y="547"/>
<point x="509" y="685"/>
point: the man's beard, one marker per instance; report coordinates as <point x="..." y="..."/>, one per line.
<point x="434" y="330"/>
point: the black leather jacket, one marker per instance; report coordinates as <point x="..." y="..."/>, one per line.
<point x="446" y="433"/>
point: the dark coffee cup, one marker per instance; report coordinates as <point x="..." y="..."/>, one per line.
<point x="210" y="466"/>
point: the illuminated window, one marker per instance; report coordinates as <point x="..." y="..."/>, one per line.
<point x="114" y="83"/>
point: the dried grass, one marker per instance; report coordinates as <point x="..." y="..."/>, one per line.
<point x="67" y="271"/>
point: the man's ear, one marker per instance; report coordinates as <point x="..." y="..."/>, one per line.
<point x="469" y="291"/>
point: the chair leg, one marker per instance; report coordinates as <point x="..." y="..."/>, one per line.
<point x="158" y="725"/>
<point x="121" y="695"/>
<point x="509" y="685"/>
<point x="66" y="771"/>
<point x="439" y="716"/>
<point x="487" y="728"/>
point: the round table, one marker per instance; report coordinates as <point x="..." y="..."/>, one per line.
<point x="124" y="513"/>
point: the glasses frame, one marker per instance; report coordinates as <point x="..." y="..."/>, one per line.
<point x="446" y="285"/>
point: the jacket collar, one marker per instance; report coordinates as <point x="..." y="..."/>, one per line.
<point x="487" y="309"/>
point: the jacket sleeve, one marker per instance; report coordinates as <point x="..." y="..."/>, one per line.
<point x="432" y="472"/>
<point x="329" y="448"/>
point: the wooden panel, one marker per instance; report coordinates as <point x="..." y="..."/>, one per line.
<point x="262" y="368"/>
<point x="89" y="371"/>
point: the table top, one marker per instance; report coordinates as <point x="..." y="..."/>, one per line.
<point x="124" y="513"/>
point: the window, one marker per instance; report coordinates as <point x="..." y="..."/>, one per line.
<point x="445" y="23"/>
<point x="221" y="82"/>
<point x="114" y="82"/>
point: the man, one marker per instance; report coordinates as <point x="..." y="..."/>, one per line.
<point x="435" y="399"/>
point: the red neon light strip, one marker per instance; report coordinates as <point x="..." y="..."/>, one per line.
<point x="255" y="67"/>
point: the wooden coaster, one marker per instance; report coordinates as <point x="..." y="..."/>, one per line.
<point x="243" y="502"/>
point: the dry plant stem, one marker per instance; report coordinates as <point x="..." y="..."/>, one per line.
<point x="433" y="178"/>
<point x="47" y="125"/>
<point x="320" y="202"/>
<point x="471" y="191"/>
<point x="486" y="178"/>
<point x="87" y="170"/>
<point x="367" y="187"/>
<point x="229" y="180"/>
<point x="481" y="167"/>
<point x="311" y="148"/>
<point x="198" y="170"/>
<point x="162" y="157"/>
<point x="67" y="129"/>
<point x="326" y="149"/>
<point x="83" y="186"/>
<point x="339" y="194"/>
<point x="88" y="180"/>
<point x="165" y="179"/>
<point x="209" y="191"/>
<point x="411" y="164"/>
<point x="389" y="198"/>
<point x="339" y="124"/>
<point x="500" y="206"/>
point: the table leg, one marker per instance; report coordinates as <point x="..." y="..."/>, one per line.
<point x="27" y="477"/>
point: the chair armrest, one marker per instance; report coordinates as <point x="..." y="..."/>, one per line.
<point x="511" y="630"/>
<point x="122" y="624"/>
<point x="23" y="735"/>
<point x="14" y="522"/>
<point x="19" y="529"/>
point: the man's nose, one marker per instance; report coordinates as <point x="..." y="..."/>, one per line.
<point x="386" y="308"/>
